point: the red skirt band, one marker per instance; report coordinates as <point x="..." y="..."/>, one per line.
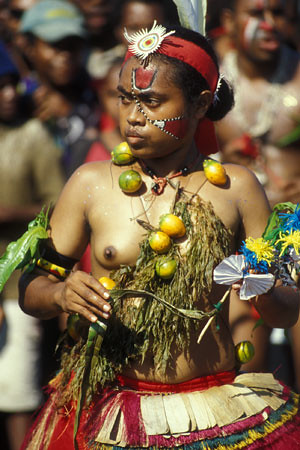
<point x="196" y="384"/>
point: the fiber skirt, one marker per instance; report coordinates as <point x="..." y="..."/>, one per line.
<point x="221" y="411"/>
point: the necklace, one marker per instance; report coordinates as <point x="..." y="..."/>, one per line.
<point x="160" y="183"/>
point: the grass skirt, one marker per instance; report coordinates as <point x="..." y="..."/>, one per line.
<point x="221" y="411"/>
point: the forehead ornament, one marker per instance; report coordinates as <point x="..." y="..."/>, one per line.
<point x="143" y="43"/>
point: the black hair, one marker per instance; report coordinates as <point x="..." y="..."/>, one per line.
<point x="192" y="83"/>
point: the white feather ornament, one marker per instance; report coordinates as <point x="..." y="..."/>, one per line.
<point x="192" y="14"/>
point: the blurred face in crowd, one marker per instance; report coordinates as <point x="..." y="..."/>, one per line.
<point x="97" y="13"/>
<point x="255" y="26"/>
<point x="108" y="93"/>
<point x="8" y="98"/>
<point x="136" y="15"/>
<point x="16" y="8"/>
<point x="57" y="62"/>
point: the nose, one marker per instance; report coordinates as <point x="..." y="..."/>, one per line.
<point x="268" y="19"/>
<point x="136" y="115"/>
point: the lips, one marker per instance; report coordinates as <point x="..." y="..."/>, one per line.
<point x="270" y="44"/>
<point x="267" y="41"/>
<point x="133" y="134"/>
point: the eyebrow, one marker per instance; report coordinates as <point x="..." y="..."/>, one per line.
<point x="143" y="95"/>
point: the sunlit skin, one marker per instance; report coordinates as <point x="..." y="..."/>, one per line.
<point x="93" y="201"/>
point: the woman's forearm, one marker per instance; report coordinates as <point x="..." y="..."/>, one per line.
<point x="39" y="296"/>
<point x="280" y="307"/>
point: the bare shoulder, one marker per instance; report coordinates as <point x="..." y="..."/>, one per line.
<point x="250" y="198"/>
<point x="241" y="179"/>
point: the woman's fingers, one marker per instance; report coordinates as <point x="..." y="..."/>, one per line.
<point x="85" y="295"/>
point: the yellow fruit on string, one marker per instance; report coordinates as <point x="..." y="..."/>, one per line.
<point x="172" y="225"/>
<point x="244" y="352"/>
<point x="130" y="181"/>
<point x="122" y="154"/>
<point x="160" y="242"/>
<point x="108" y="283"/>
<point x="214" y="172"/>
<point x="165" y="268"/>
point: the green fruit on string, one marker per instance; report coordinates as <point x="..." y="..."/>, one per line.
<point x="122" y="154"/>
<point x="165" y="268"/>
<point x="130" y="181"/>
<point x="244" y="352"/>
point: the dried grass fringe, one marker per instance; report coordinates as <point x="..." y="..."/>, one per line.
<point x="138" y="325"/>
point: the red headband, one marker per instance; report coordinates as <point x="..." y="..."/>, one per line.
<point x="192" y="55"/>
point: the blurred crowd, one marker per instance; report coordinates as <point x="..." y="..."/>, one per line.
<point x="59" y="67"/>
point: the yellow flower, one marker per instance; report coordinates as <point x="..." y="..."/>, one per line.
<point x="262" y="249"/>
<point x="292" y="239"/>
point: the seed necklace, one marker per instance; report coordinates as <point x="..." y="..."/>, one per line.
<point x="160" y="183"/>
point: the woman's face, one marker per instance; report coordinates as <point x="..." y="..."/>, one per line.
<point x="148" y="95"/>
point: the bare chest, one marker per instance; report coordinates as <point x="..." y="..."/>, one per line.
<point x="115" y="232"/>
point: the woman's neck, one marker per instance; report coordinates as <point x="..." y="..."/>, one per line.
<point x="174" y="162"/>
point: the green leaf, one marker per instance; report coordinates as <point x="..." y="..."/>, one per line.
<point x="274" y="222"/>
<point x="258" y="323"/>
<point x="25" y="250"/>
<point x="290" y="138"/>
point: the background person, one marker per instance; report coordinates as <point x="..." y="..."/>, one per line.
<point x="30" y="176"/>
<point x="63" y="97"/>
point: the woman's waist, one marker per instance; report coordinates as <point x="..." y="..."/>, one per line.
<point x="193" y="384"/>
<point x="184" y="367"/>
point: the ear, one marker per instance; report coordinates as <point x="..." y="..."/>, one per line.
<point x="203" y="103"/>
<point x="227" y="21"/>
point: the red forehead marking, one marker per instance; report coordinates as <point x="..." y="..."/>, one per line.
<point x="144" y="78"/>
<point x="177" y="127"/>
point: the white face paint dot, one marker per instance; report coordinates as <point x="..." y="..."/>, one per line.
<point x="89" y="196"/>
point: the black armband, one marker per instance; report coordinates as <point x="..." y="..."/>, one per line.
<point x="55" y="263"/>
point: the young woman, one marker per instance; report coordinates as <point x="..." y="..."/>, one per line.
<point x="153" y="383"/>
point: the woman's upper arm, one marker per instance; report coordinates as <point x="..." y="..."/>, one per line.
<point x="253" y="206"/>
<point x="69" y="232"/>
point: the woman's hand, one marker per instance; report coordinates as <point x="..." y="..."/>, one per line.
<point x="84" y="295"/>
